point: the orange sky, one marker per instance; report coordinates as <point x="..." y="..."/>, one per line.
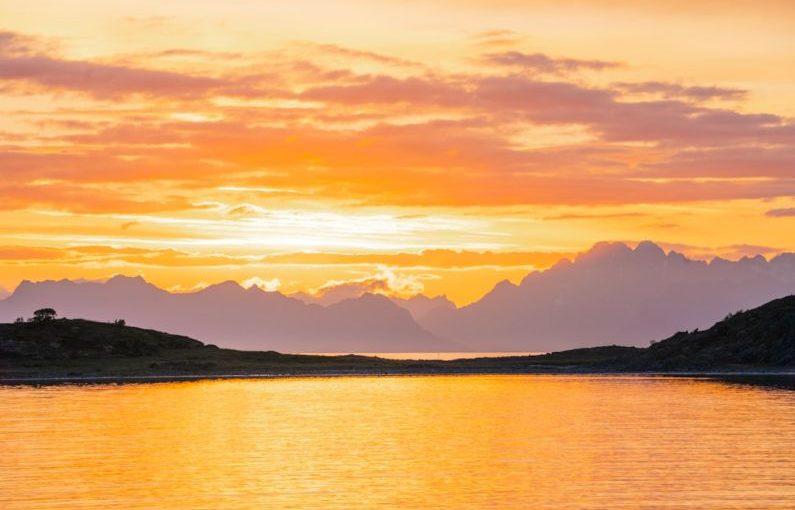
<point x="440" y="146"/>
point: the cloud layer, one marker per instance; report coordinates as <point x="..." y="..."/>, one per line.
<point x="400" y="135"/>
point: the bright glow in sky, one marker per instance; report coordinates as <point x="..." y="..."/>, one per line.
<point x="447" y="144"/>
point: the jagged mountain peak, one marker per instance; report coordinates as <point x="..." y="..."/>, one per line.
<point x="603" y="250"/>
<point x="614" y="294"/>
<point x="649" y="250"/>
<point x="229" y="315"/>
<point x="225" y="287"/>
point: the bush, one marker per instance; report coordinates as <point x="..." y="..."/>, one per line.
<point x="44" y="314"/>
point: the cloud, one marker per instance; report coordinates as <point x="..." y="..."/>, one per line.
<point x="727" y="162"/>
<point x="675" y="90"/>
<point x="461" y="162"/>
<point x="194" y="53"/>
<point x="27" y="253"/>
<point x="781" y="213"/>
<point x="24" y="63"/>
<point x="397" y="137"/>
<point x="245" y="211"/>
<point x="103" y="81"/>
<point x="605" y="111"/>
<point x="179" y="288"/>
<point x="738" y="251"/>
<point x="351" y="53"/>
<point x="617" y="119"/>
<point x="80" y="199"/>
<point x="387" y="89"/>
<point x="271" y="285"/>
<point x="385" y="282"/>
<point x="432" y="163"/>
<point x="541" y="63"/>
<point x="12" y="44"/>
<point x="443" y="259"/>
<point x="426" y="259"/>
<point x="497" y="38"/>
<point x="595" y="216"/>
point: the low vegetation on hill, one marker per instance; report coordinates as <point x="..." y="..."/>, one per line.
<point x="53" y="339"/>
<point x="762" y="337"/>
<point x="80" y="348"/>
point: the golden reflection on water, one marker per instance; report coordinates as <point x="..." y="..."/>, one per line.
<point x="499" y="442"/>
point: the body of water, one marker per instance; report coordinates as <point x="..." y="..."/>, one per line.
<point x="429" y="355"/>
<point x="445" y="442"/>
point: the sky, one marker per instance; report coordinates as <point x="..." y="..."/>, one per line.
<point x="437" y="146"/>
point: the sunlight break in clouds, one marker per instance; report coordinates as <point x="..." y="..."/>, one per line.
<point x="237" y="133"/>
<point x="271" y="285"/>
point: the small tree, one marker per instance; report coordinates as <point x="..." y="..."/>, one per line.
<point x="20" y="320"/>
<point x="44" y="314"/>
<point x="120" y="322"/>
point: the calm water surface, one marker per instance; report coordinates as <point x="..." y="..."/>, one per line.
<point x="503" y="442"/>
<point x="430" y="355"/>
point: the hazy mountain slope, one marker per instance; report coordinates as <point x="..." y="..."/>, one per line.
<point x="420" y="305"/>
<point x="609" y="295"/>
<point x="613" y="294"/>
<point x="762" y="337"/>
<point x="229" y="315"/>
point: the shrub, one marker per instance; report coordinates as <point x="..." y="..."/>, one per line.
<point x="44" y="314"/>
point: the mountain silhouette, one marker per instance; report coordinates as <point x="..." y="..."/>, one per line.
<point x="613" y="294"/>
<point x="418" y="305"/>
<point x="232" y="316"/>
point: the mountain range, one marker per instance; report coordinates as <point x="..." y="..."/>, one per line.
<point x="418" y="305"/>
<point x="229" y="315"/>
<point x="615" y="294"/>
<point x="611" y="294"/>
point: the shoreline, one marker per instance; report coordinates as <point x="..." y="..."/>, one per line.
<point x="165" y="378"/>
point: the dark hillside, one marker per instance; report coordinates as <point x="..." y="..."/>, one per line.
<point x="762" y="337"/>
<point x="77" y="338"/>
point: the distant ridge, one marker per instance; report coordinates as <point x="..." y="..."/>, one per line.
<point x="232" y="316"/>
<point x="418" y="305"/>
<point x="613" y="294"/>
